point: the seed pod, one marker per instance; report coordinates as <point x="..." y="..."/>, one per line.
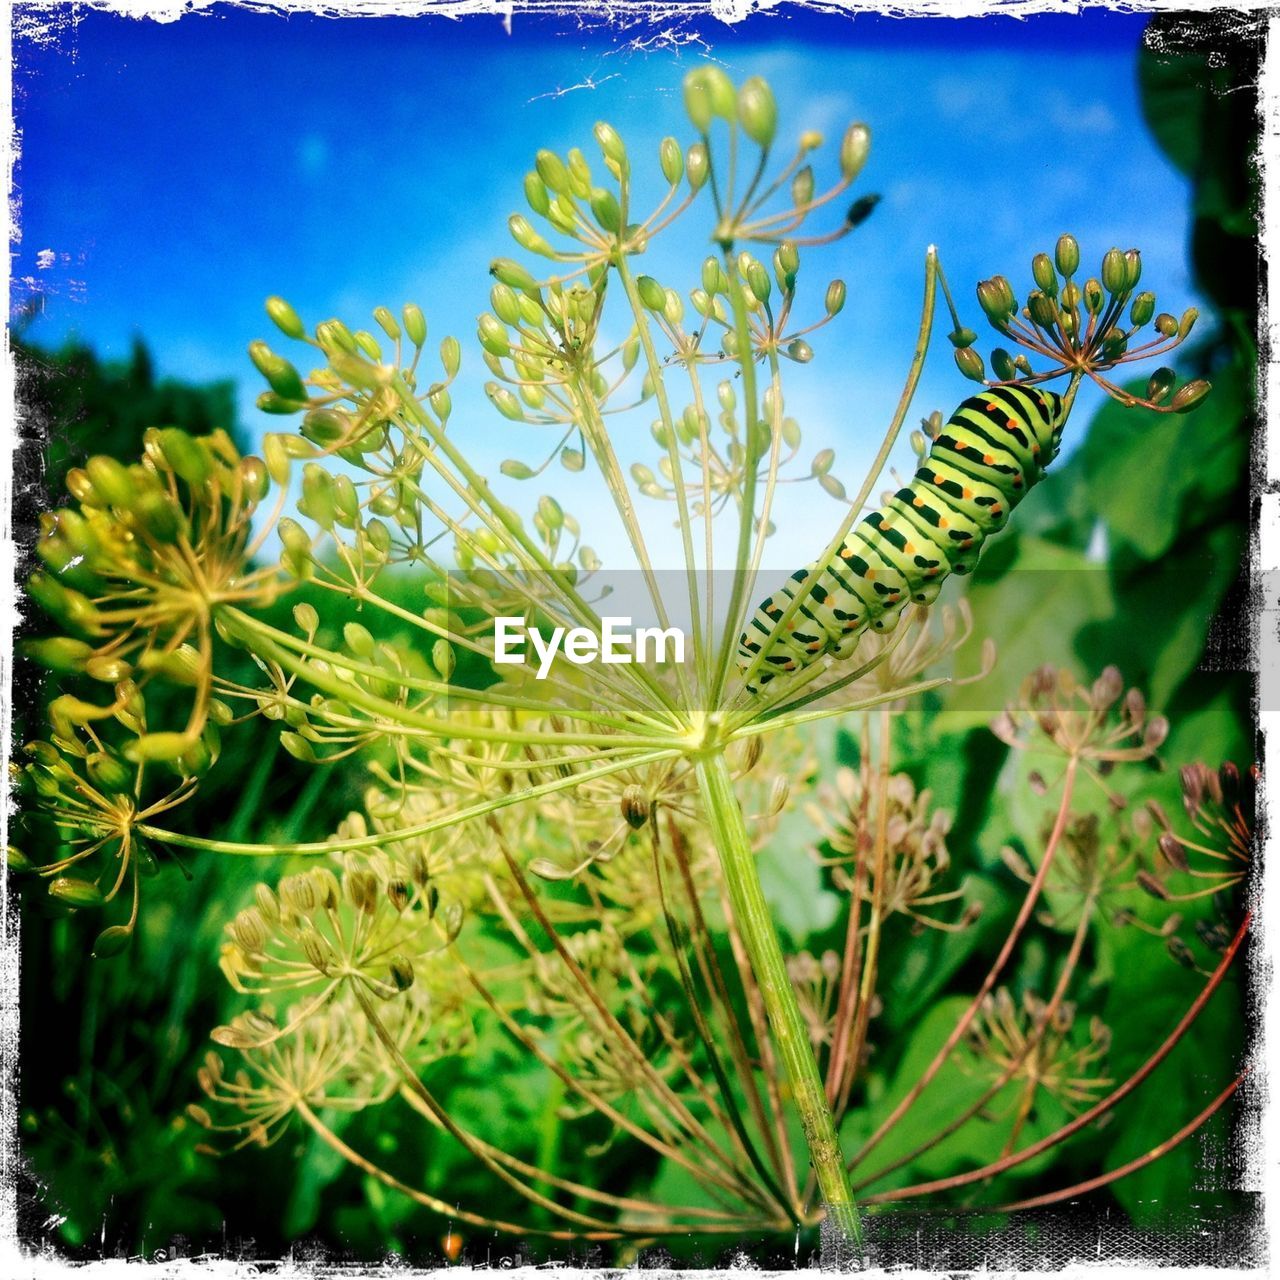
<point x="969" y="362"/>
<point x="1067" y="255"/>
<point x="401" y="972"/>
<point x="652" y="294"/>
<point x="1043" y="310"/>
<point x="835" y="297"/>
<point x="1190" y="396"/>
<point x="285" y="318"/>
<point x="697" y="165"/>
<point x="708" y="93"/>
<point x="76" y="892"/>
<point x="250" y="931"/>
<point x="1144" y="307"/>
<point x="802" y="187"/>
<point x="1114" y="271"/>
<point x="800" y="351"/>
<point x="634" y="806"/>
<point x="758" y="111"/>
<point x="527" y="238"/>
<point x="604" y="205"/>
<point x="1160" y="384"/>
<point x="854" y="148"/>
<point x="1002" y="365"/>
<point x="1043" y="274"/>
<point x="1094" y="296"/>
<point x="671" y="160"/>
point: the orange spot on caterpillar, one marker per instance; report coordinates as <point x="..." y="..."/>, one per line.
<point x="987" y="459"/>
<point x="968" y="494"/>
<point x="1012" y="424"/>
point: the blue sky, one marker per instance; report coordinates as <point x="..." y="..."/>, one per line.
<point x="173" y="175"/>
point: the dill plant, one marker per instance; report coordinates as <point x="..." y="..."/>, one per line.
<point x="576" y="860"/>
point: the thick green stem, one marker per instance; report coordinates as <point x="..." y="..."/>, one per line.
<point x="786" y="1022"/>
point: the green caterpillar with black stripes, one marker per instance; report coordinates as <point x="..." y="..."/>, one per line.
<point x="980" y="465"/>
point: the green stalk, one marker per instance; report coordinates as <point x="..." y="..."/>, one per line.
<point x="790" y="1034"/>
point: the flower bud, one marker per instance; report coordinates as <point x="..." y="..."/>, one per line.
<point x="854" y="147"/>
<point x="1190" y="396"/>
<point x="969" y="362"/>
<point x="1160" y="384"/>
<point x="527" y="238"/>
<point x="605" y="207"/>
<point x="1114" y="271"/>
<point x="835" y="298"/>
<point x="758" y="111"/>
<point x="1043" y="274"/>
<point x="1043" y="310"/>
<point x="505" y="403"/>
<point x="758" y="280"/>
<point x="697" y="165"/>
<point x="493" y="335"/>
<point x="671" y="160"/>
<point x="800" y="351"/>
<point x="401" y="972"/>
<point x="652" y="294"/>
<point x="76" y="892"/>
<point x="1002" y="365"/>
<point x="110" y="480"/>
<point x="281" y="376"/>
<point x="1094" y="296"/>
<point x="552" y="171"/>
<point x="1189" y="317"/>
<point x="535" y="194"/>
<point x="285" y="318"/>
<point x="802" y="187"/>
<point x="415" y="323"/>
<point x="1133" y="268"/>
<point x="1067" y="255"/>
<point x="995" y="296"/>
<point x="61" y="654"/>
<point x="611" y="144"/>
<point x="1144" y="307"/>
<point x="708" y="93"/>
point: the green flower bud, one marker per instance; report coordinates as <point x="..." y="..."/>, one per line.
<point x="107" y="669"/>
<point x="1043" y="311"/>
<point x="112" y="941"/>
<point x="854" y="147"/>
<point x="514" y="469"/>
<point x="269" y="402"/>
<point x="1043" y="274"/>
<point x="186" y="458"/>
<point x="1185" y="325"/>
<point x="334" y="336"/>
<point x="758" y="280"/>
<point x="513" y="275"/>
<point x="285" y="318"/>
<point x="834" y="301"/>
<point x="708" y="93"/>
<point x="1093" y="296"/>
<point x="157" y="747"/>
<point x="652" y="294"/>
<point x="1002" y="365"/>
<point x="254" y="481"/>
<point x="1114" y="271"/>
<point x="671" y="160"/>
<point x="535" y="193"/>
<point x="787" y="258"/>
<point x="802" y="187"/>
<point x="697" y="165"/>
<point x="572" y="459"/>
<point x="76" y="892"/>
<point x="503" y="300"/>
<point x="604" y="206"/>
<point x="1160" y="384"/>
<point x="1144" y="307"/>
<point x="451" y="356"/>
<point x="61" y="654"/>
<point x="1067" y="255"/>
<point x="111" y="481"/>
<point x="579" y="174"/>
<point x="387" y="322"/>
<point x="281" y="376"/>
<point x="441" y="402"/>
<point x="611" y="145"/>
<point x="758" y="112"/>
<point x="1133" y="268"/>
<point x="800" y="351"/>
<point x="995" y="296"/>
<point x="493" y="335"/>
<point x="969" y="362"/>
<point x="527" y="238"/>
<point x="1190" y="396"/>
<point x="505" y="403"/>
<point x="317" y="502"/>
<point x="962" y="337"/>
<point x="551" y="170"/>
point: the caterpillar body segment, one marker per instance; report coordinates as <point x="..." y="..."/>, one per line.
<point x="982" y="463"/>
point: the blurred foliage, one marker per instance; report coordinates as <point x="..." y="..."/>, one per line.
<point x="1133" y="552"/>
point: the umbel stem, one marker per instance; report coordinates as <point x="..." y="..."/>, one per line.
<point x="842" y="1229"/>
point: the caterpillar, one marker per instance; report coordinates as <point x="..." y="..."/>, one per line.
<point x="980" y="465"/>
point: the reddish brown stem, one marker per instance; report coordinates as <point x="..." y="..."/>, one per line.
<point x="1087" y="1117"/>
<point x="957" y="1032"/>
